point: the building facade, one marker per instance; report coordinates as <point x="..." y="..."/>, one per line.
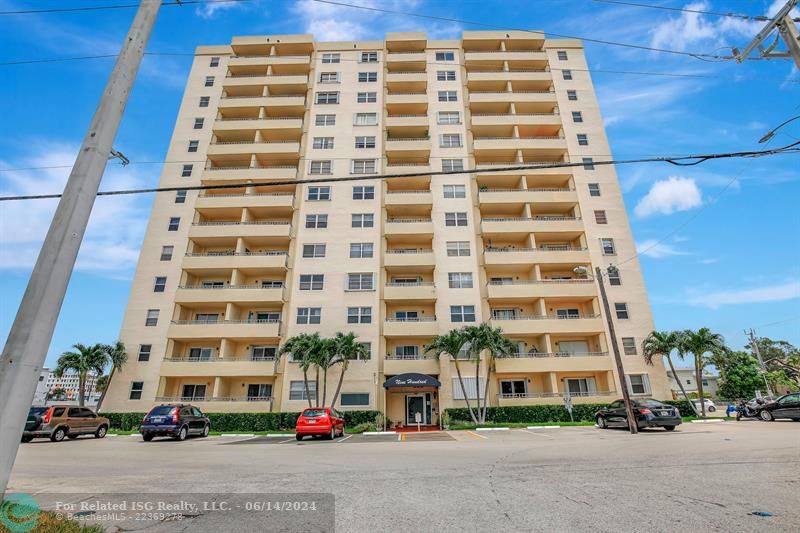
<point x="226" y="275"/>
<point x="69" y="382"/>
<point x="688" y="379"/>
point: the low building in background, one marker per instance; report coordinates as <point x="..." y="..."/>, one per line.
<point x="69" y="383"/>
<point x="688" y="378"/>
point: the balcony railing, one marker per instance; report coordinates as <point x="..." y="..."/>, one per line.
<point x="414" y="284"/>
<point x="398" y="139"/>
<point x="518" y="138"/>
<point x="535" y="189"/>
<point x="236" y="119"/>
<point x="242" y="254"/>
<point x="259" y="286"/>
<point x="213" y="398"/>
<point x="556" y="394"/>
<point x="249" y="223"/>
<point x="300" y="95"/>
<point x="252" y="167"/>
<point x="234" y="359"/>
<point x="238" y="195"/>
<point x="542" y="317"/>
<point x="418" y="319"/>
<point x="407" y="116"/>
<point x="410" y="251"/>
<point x="409" y="191"/>
<point x="546" y="218"/>
<point x="409" y="357"/>
<point x="521" y="355"/>
<point x="245" y="321"/>
<point x="512" y="92"/>
<point x="406" y="220"/>
<point x="279" y="141"/>
<point x="535" y="281"/>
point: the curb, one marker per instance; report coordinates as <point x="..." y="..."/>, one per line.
<point x="238" y="435"/>
<point x="492" y="429"/>
<point x="706" y="421"/>
<point x="379" y="433"/>
<point x="276" y="435"/>
<point x="543" y="427"/>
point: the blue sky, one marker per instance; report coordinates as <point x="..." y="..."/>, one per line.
<point x="720" y="240"/>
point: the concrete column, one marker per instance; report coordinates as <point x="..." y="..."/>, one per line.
<point x="162" y="386"/>
<point x="553" y="381"/>
<point x="548" y="343"/>
<point x="231" y="312"/>
<point x="225" y="348"/>
<point x="217" y="387"/>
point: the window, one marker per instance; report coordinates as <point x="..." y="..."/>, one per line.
<point x="638" y="383"/>
<point x="459" y="280"/>
<point x="566" y="74"/>
<point x="361" y="250"/>
<point x="329" y="77"/>
<point x="581" y="386"/>
<point x="449" y="117"/>
<point x="577" y="116"/>
<point x="452" y="165"/>
<point x="309" y="315"/>
<point x="446" y="75"/>
<point x="314" y="250"/>
<point x="367" y="353"/>
<point x="271" y="284"/>
<point x="311" y="282"/>
<point x="363" y="166"/>
<point x="455" y="191"/>
<point x="359" y="315"/>
<point x="406" y="316"/>
<point x="472" y="387"/>
<point x="511" y="388"/>
<point x="198" y="123"/>
<point x="448" y="96"/>
<point x="445" y="56"/>
<point x="318" y="193"/>
<point x="152" y="317"/>
<point x="594" y="189"/>
<point x="568" y="313"/>
<point x="209" y="81"/>
<point x="367" y="77"/>
<point x="458" y="248"/>
<point x="572" y="95"/>
<point x="365" y="142"/>
<point x="600" y="217"/>
<point x="367" y="98"/>
<point x="180" y="197"/>
<point x="455" y="219"/>
<point x="144" y="352"/>
<point x="562" y="55"/>
<point x="193" y="145"/>
<point x="297" y="389"/>
<point x="327" y="97"/>
<point x="705" y="383"/>
<point x="186" y="171"/>
<point x="363" y="192"/>
<point x="325" y="120"/>
<point x="200" y="354"/>
<point x="204" y="101"/>
<point x="462" y="313"/>
<point x="263" y="353"/>
<point x="160" y="284"/>
<point x="355" y="399"/>
<point x="214" y="62"/>
<point x="407" y="351"/>
<point x="583" y="139"/>
<point x="174" y="222"/>
<point x="166" y="253"/>
<point x="360" y="282"/>
<point x="365" y="119"/>
<point x="320" y="167"/>
<point x="629" y="345"/>
<point x="316" y="221"/>
<point x="622" y="311"/>
<point x="450" y="140"/>
<point x="331" y="58"/>
<point x="588" y="163"/>
<point x="614" y="277"/>
<point x="259" y="391"/>
<point x="363" y="220"/>
<point x="368" y="57"/>
<point x="323" y="143"/>
<point x="136" y="390"/>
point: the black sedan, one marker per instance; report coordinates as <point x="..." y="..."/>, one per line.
<point x="649" y="414"/>
<point x="787" y="406"/>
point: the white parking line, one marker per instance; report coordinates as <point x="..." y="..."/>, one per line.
<point x="477" y="435"/>
<point x="287" y="440"/>
<point x="536" y="434"/>
<point x="543" y="427"/>
<point x="344" y="439"/>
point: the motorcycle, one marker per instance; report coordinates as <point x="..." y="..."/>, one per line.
<point x="745" y="410"/>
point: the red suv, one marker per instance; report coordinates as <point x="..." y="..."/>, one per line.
<point x="320" y="422"/>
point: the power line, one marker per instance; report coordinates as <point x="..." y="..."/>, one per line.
<point x="684" y="10"/>
<point x="680" y="161"/>
<point x="115" y="6"/>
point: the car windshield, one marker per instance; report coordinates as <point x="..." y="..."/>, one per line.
<point x="161" y="410"/>
<point x="313" y="413"/>
<point x="650" y="403"/>
<point x="37" y="411"/>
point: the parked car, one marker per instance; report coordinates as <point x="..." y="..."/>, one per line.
<point x="710" y="407"/>
<point x="649" y="413"/>
<point x="787" y="406"/>
<point x="174" y="420"/>
<point x="63" y="421"/>
<point x="320" y="422"/>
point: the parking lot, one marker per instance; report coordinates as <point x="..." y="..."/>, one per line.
<point x="700" y="477"/>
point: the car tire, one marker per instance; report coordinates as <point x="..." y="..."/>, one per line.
<point x="101" y="432"/>
<point x="601" y="422"/>
<point x="332" y="434"/>
<point x="26" y="438"/>
<point x="766" y="416"/>
<point x="298" y="436"/>
<point x="206" y="430"/>
<point x="182" y="434"/>
<point x="147" y="437"/>
<point x="58" y="435"/>
<point x="711" y="409"/>
<point x="669" y="428"/>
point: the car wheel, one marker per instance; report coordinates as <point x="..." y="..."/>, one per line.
<point x="206" y="430"/>
<point x="711" y="409"/>
<point x="298" y="436"/>
<point x="147" y="437"/>
<point x="182" y="434"/>
<point x="766" y="416"/>
<point x="333" y="434"/>
<point x="101" y="432"/>
<point x="58" y="435"/>
<point x="26" y="439"/>
<point x="669" y="428"/>
<point x="601" y="423"/>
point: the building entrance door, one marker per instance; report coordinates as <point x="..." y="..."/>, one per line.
<point x="415" y="403"/>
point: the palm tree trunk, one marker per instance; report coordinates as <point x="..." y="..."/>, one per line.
<point x="324" y="386"/>
<point x="338" y="386"/>
<point x="105" y="390"/>
<point x="305" y="384"/>
<point x="316" y="389"/>
<point x="489" y="365"/>
<point x="81" y="385"/>
<point x="478" y="385"/>
<point x="698" y="364"/>
<point x="680" y="385"/>
<point x="464" y="391"/>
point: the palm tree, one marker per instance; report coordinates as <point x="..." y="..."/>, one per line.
<point x="303" y="347"/>
<point x="451" y="344"/>
<point x="325" y="358"/>
<point x="496" y="345"/>
<point x="83" y="360"/>
<point x="346" y="348"/>
<point x="699" y="343"/>
<point x="117" y="356"/>
<point x="57" y="394"/>
<point x="660" y="344"/>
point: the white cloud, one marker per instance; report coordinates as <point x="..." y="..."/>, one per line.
<point x="113" y="237"/>
<point x="771" y="293"/>
<point x="657" y="250"/>
<point x="208" y="11"/>
<point x="709" y="261"/>
<point x="670" y="195"/>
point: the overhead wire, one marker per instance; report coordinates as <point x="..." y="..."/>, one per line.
<point x="758" y="18"/>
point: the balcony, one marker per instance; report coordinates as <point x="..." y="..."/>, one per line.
<point x="536" y="324"/>
<point x="519" y="143"/>
<point x="533" y="398"/>
<point x="246" y="61"/>
<point x="530" y="224"/>
<point x="418" y="97"/>
<point x="412" y="120"/>
<point x="422" y="364"/>
<point x="268" y="123"/>
<point x="279" y="172"/>
<point x="420" y="327"/>
<point x="408" y="197"/>
<point x="555" y="362"/>
<point x="213" y="261"/>
<point x="537" y="168"/>
<point x="276" y="100"/>
<point x="228" y="293"/>
<point x="223" y="329"/>
<point x="508" y="55"/>
<point x="271" y="199"/>
<point x="528" y="256"/>
<point x="224" y="404"/>
<point x="477" y="74"/>
<point x="541" y="289"/>
<point x="408" y="168"/>
<point x="408" y="76"/>
<point x="405" y="57"/>
<point x="509" y="97"/>
<point x="408" y="146"/>
<point x="409" y="258"/>
<point x="420" y="291"/>
<point x="408" y="226"/>
<point x="516" y="119"/>
<point x="538" y="195"/>
<point x="240" y="229"/>
<point x="258" y="147"/>
<point x="223" y="367"/>
<point x="243" y="80"/>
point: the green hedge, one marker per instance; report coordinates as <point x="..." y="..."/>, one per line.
<point x="240" y="422"/>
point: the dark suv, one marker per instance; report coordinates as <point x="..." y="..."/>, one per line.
<point x="174" y="420"/>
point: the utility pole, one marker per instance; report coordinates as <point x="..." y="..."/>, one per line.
<point x="762" y="368"/>
<point x="634" y="428"/>
<point x="787" y="30"/>
<point x="29" y="339"/>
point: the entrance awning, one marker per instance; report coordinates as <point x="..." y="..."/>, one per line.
<point x="411" y="379"/>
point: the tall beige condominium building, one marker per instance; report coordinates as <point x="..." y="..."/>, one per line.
<point x="226" y="275"/>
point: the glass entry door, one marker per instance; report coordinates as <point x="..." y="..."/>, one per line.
<point x="415" y="403"/>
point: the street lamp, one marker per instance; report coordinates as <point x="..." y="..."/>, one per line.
<point x="584" y="272"/>
<point x="771" y="133"/>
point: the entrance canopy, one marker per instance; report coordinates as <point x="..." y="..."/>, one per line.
<point x="411" y="379"/>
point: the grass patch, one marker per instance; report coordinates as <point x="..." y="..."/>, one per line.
<point x="47" y="522"/>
